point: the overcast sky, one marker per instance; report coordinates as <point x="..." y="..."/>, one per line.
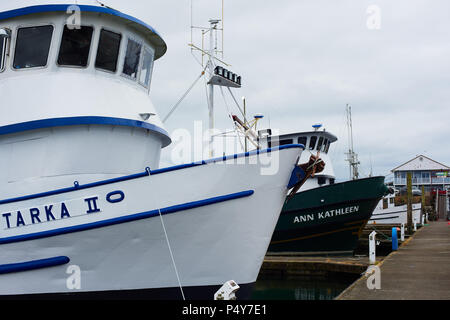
<point x="303" y="61"/>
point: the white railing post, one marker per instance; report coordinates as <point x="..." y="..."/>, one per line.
<point x="372" y="245"/>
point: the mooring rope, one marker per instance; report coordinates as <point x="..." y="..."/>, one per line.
<point x="171" y="255"/>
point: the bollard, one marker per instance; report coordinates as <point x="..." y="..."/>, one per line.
<point x="423" y="220"/>
<point x="415" y="226"/>
<point x="402" y="232"/>
<point x="372" y="256"/>
<point x="394" y="239"/>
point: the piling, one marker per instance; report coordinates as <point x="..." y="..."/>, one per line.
<point x="409" y="203"/>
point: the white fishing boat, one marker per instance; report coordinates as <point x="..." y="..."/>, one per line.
<point x="386" y="212"/>
<point x="85" y="209"/>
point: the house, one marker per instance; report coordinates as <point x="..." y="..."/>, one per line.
<point x="425" y="172"/>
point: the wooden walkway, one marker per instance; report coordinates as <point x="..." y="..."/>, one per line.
<point x="420" y="269"/>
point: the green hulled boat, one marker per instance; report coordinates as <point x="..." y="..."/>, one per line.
<point x="328" y="218"/>
<point x="323" y="216"/>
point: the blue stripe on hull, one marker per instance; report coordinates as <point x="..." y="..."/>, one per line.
<point x="129" y="218"/>
<point x="33" y="265"/>
<point x="146" y="173"/>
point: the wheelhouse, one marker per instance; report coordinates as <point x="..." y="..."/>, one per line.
<point x="100" y="46"/>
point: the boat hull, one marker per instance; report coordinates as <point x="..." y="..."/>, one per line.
<point x="396" y="215"/>
<point x="110" y="237"/>
<point x="327" y="219"/>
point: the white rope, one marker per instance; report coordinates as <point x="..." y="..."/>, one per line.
<point x="171" y="255"/>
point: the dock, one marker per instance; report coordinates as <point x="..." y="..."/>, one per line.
<point x="419" y="269"/>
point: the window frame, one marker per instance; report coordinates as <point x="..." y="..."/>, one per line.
<point x="315" y="142"/>
<point x="141" y="64"/>
<point x="88" y="62"/>
<point x="303" y="137"/>
<point x="119" y="57"/>
<point x="320" y="143"/>
<point x="5" y="52"/>
<point x="13" y="46"/>
<point x="122" y="61"/>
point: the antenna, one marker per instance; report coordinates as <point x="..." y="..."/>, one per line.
<point x="217" y="74"/>
<point x="352" y="157"/>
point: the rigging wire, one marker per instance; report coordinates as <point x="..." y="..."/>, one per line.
<point x="184" y="96"/>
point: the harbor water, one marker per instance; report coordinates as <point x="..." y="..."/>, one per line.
<point x="301" y="288"/>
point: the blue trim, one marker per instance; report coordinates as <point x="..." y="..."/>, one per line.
<point x="83" y="8"/>
<point x="88" y="120"/>
<point x="146" y="173"/>
<point x="129" y="218"/>
<point x="33" y="265"/>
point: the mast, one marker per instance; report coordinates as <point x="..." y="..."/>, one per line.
<point x="210" y="66"/>
<point x="352" y="157"/>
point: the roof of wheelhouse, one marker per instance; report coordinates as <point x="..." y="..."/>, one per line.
<point x="324" y="133"/>
<point x="11" y="10"/>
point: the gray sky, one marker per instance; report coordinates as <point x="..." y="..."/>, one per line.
<point x="303" y="61"/>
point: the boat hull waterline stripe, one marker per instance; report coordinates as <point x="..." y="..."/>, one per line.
<point x="128" y="218"/>
<point x="33" y="265"/>
<point x="146" y="173"/>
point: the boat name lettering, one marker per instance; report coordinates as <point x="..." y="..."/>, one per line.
<point x="56" y="211"/>
<point x="325" y="214"/>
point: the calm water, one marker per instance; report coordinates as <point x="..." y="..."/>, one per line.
<point x="304" y="288"/>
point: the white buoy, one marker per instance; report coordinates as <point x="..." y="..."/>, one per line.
<point x="372" y="245"/>
<point x="402" y="232"/>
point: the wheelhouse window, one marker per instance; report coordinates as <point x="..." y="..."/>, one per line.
<point x="132" y="59"/>
<point x="108" y="51"/>
<point x="312" y="142"/>
<point x="3" y="46"/>
<point x="324" y="146"/>
<point x="319" y="145"/>
<point x="302" y="140"/>
<point x="147" y="67"/>
<point x="327" y="147"/>
<point x="32" y="47"/>
<point x="75" y="46"/>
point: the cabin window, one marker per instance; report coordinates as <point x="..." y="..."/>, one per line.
<point x="332" y="180"/>
<point x="325" y="143"/>
<point x="312" y="142"/>
<point x="321" y="180"/>
<point x="327" y="147"/>
<point x="302" y="140"/>
<point x="147" y="66"/>
<point x="32" y="47"/>
<point x="75" y="47"/>
<point x="319" y="145"/>
<point x="285" y="142"/>
<point x="108" y="51"/>
<point x="132" y="59"/>
<point x="3" y="46"/>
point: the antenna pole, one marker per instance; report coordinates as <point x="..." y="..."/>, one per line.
<point x="352" y="156"/>
<point x="212" y="53"/>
